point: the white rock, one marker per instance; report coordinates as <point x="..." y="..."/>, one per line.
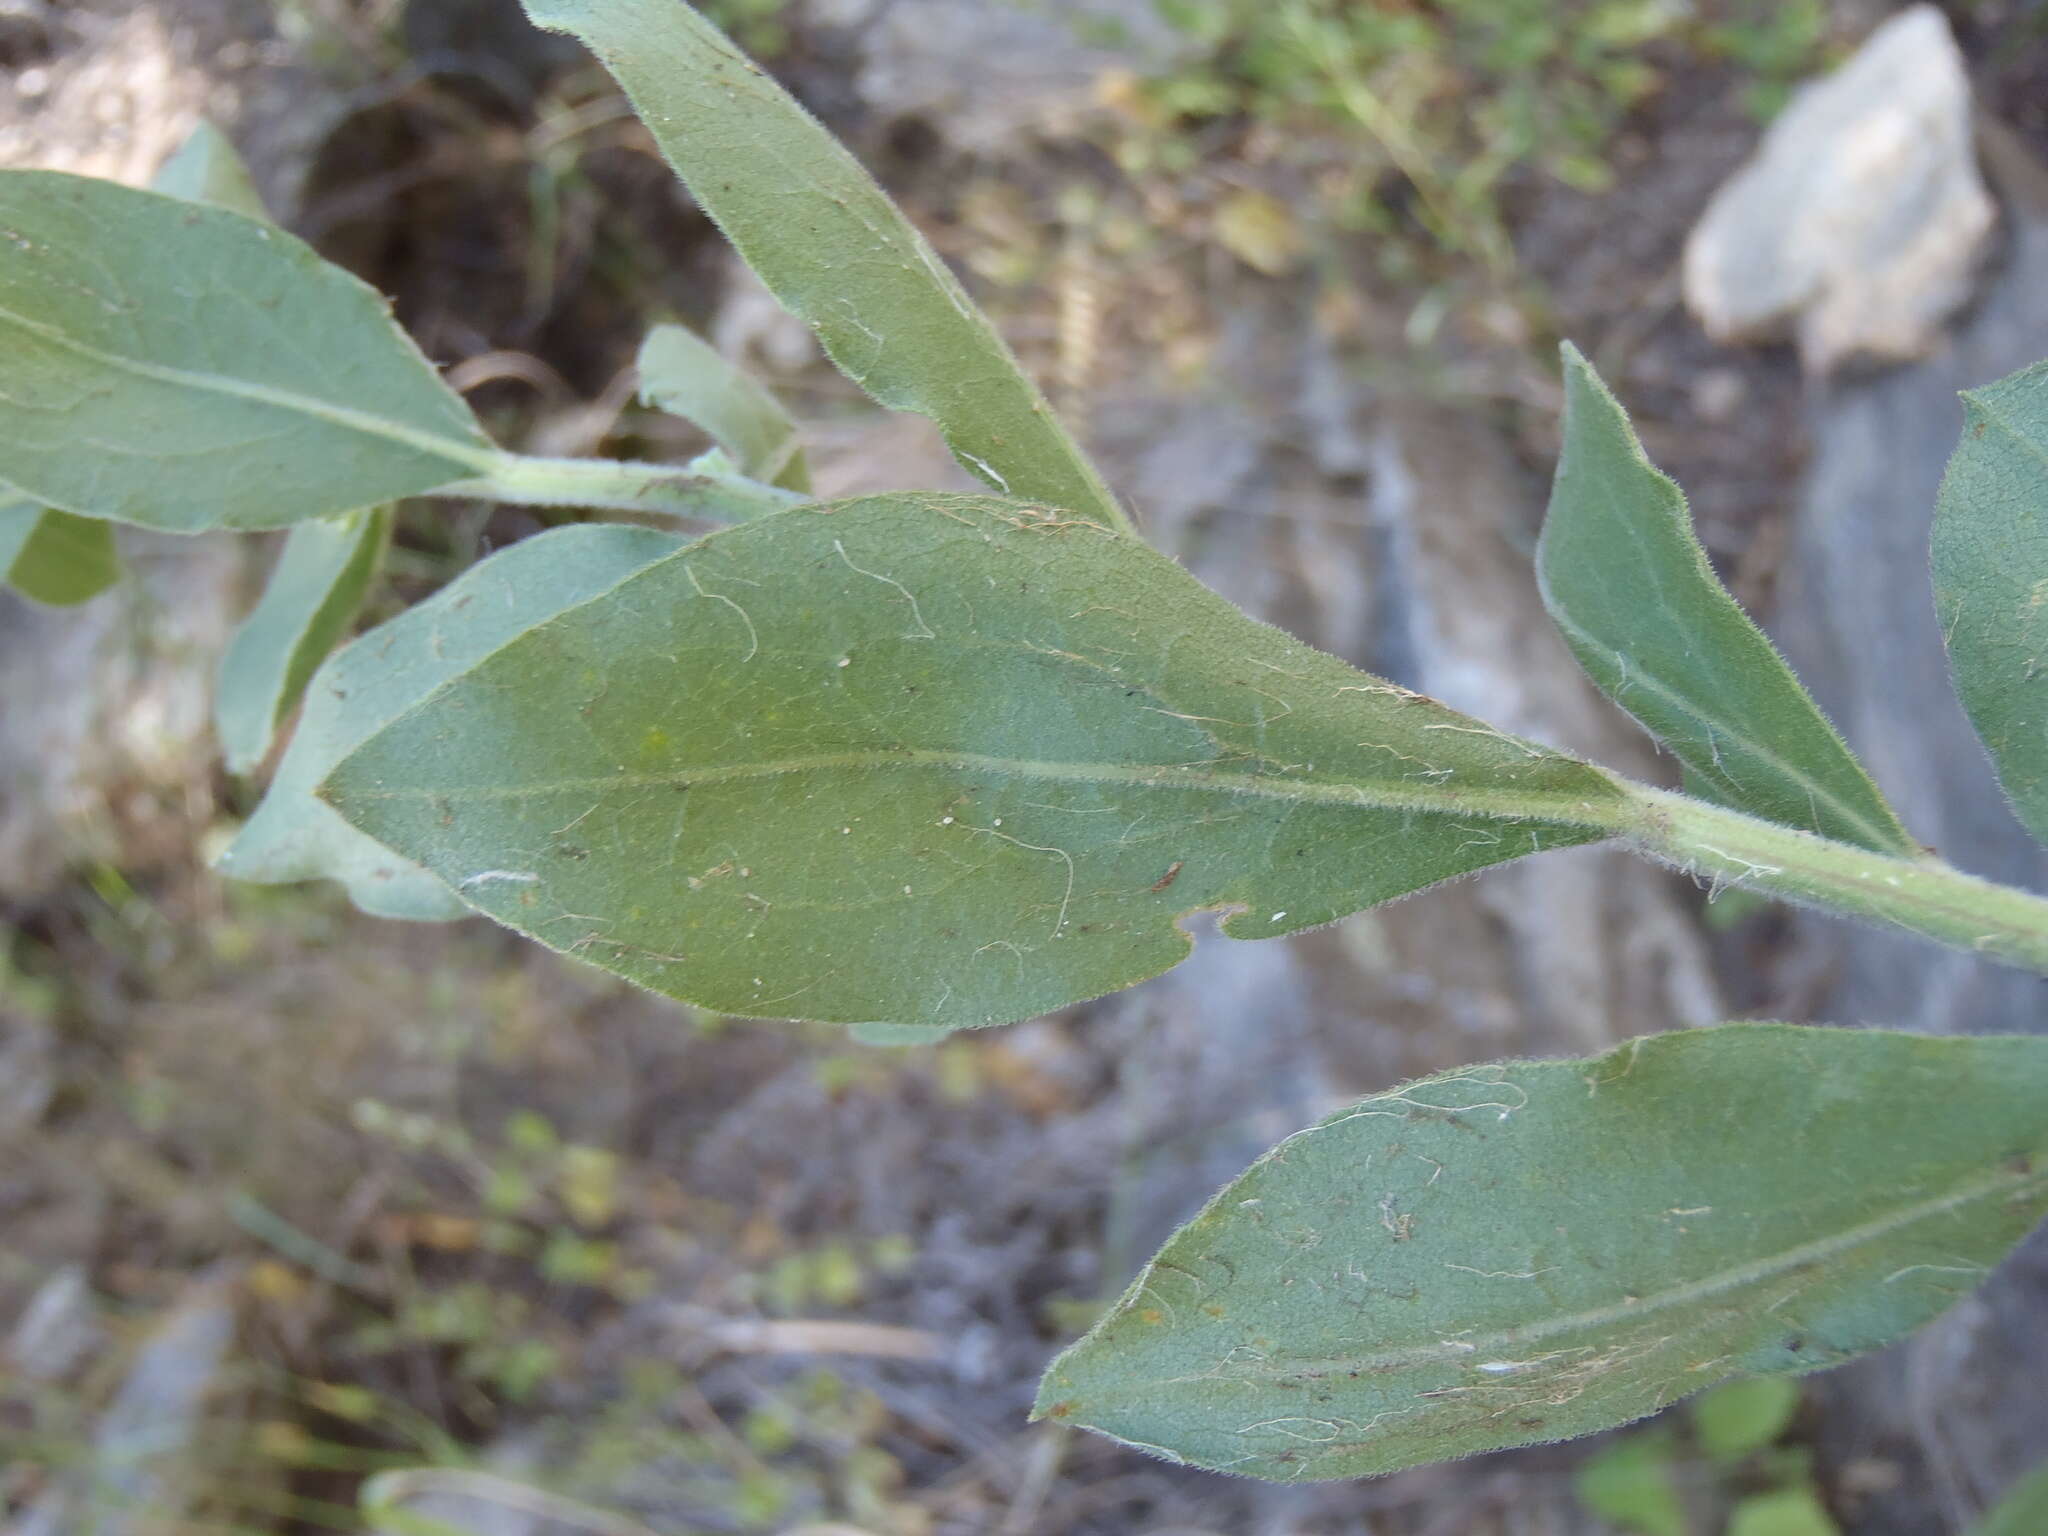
<point x="1859" y="222"/>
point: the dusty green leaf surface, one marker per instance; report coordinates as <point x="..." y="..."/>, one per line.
<point x="326" y="564"/>
<point x="683" y="374"/>
<point x="53" y="557"/>
<point x="185" y="367"/>
<point x="1529" y="1251"/>
<point x="1991" y="581"/>
<point x="934" y="760"/>
<point x="1628" y="584"/>
<point x="314" y="590"/>
<point x="831" y="246"/>
<point x="295" y="836"/>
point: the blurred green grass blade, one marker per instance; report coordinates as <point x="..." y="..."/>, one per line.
<point x="294" y="836"/>
<point x="312" y="595"/>
<point x="1529" y="1251"/>
<point x="934" y="760"/>
<point x="1632" y="1484"/>
<point x="1782" y="1512"/>
<point x="1627" y="583"/>
<point x="184" y="367"/>
<point x="1991" y="581"/>
<point x="53" y="557"/>
<point x="683" y="374"/>
<point x="206" y="169"/>
<point x="832" y="247"/>
<point x="1744" y="1416"/>
<point x="2022" y="1512"/>
<point x="485" y="1498"/>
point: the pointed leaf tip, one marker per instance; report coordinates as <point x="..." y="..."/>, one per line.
<point x="1628" y="585"/>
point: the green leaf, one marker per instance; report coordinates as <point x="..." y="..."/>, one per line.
<point x="2022" y="1512"/>
<point x="1528" y="1251"/>
<point x="1786" y="1512"/>
<point x="684" y="375"/>
<point x="934" y="760"/>
<point x="1744" y="1416"/>
<point x="831" y="246"/>
<point x="321" y="575"/>
<point x="53" y="557"/>
<point x="1632" y="1484"/>
<point x="184" y="367"/>
<point x="1628" y="584"/>
<point x="294" y="836"/>
<point x="327" y="563"/>
<point x="206" y="169"/>
<point x="1991" y="581"/>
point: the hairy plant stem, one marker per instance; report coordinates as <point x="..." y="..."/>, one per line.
<point x="1924" y="896"/>
<point x="633" y="487"/>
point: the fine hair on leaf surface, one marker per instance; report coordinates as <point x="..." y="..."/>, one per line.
<point x="295" y="836"/>
<point x="1624" y="577"/>
<point x="1527" y="1251"/>
<point x="1991" y="581"/>
<point x="248" y="384"/>
<point x="685" y="375"/>
<point x="934" y="760"/>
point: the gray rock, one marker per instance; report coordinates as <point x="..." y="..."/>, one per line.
<point x="1859" y="222"/>
<point x="57" y="1329"/>
<point x="1599" y="944"/>
<point x="137" y="1476"/>
<point x="109" y="750"/>
<point x="28" y="1072"/>
<point x="996" y="73"/>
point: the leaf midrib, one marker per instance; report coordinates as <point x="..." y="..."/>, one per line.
<point x="1558" y="807"/>
<point x="1477" y="1346"/>
<point x="475" y="456"/>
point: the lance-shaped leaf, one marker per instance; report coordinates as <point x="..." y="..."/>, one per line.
<point x="53" y="557"/>
<point x="934" y="760"/>
<point x="293" y="835"/>
<point x="186" y="367"/>
<point x="1991" y="581"/>
<point x="1626" y="581"/>
<point x="314" y="591"/>
<point x="683" y="374"/>
<point x="1529" y="1251"/>
<point x="831" y="246"/>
